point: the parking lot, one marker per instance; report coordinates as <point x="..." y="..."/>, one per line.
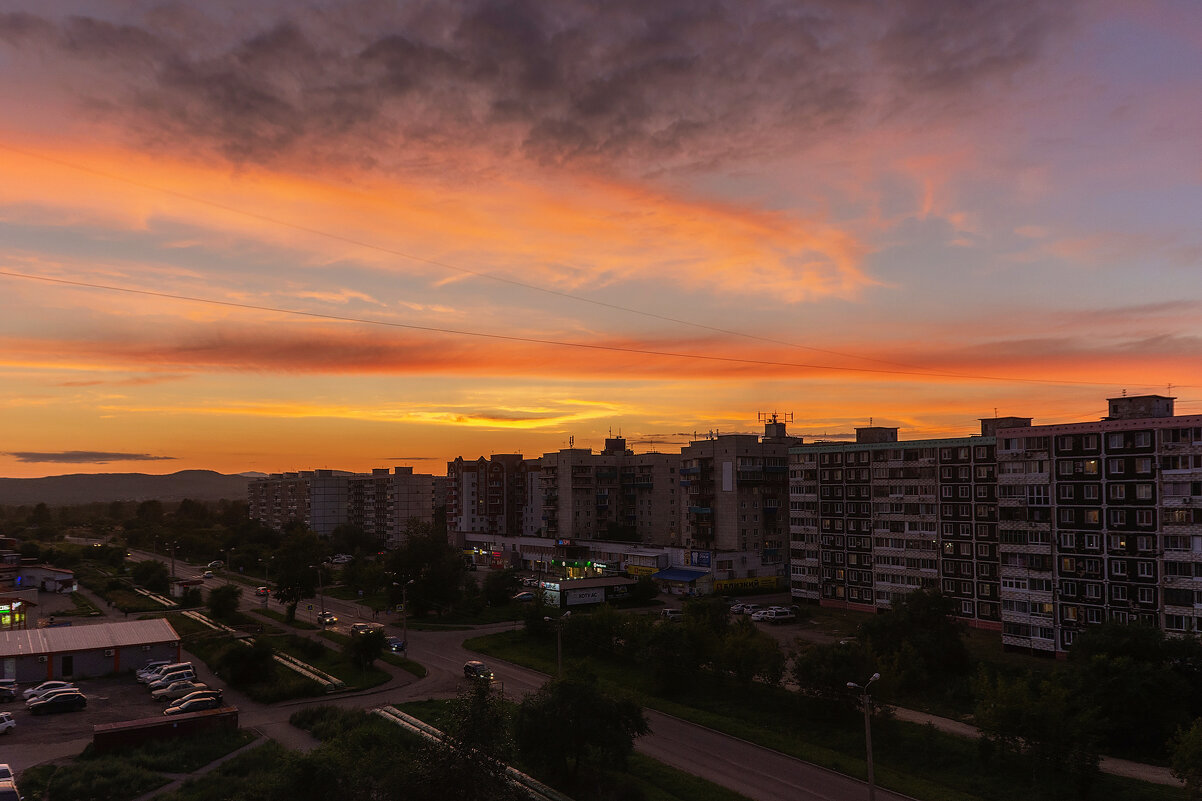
<point x="110" y="700"/>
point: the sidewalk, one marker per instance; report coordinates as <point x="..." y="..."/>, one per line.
<point x="1112" y="765"/>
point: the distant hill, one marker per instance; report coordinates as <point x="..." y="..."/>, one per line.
<point x="199" y="485"/>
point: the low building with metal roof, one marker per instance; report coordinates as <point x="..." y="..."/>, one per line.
<point x="95" y="649"/>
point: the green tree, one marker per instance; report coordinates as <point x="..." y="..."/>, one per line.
<point x="365" y="648"/>
<point x="749" y="654"/>
<point x="469" y="763"/>
<point x="223" y="602"/>
<point x="822" y="671"/>
<point x="191" y="598"/>
<point x="294" y="571"/>
<point x="644" y="590"/>
<point x="241" y="665"/>
<point x="571" y="727"/>
<point x="917" y="642"/>
<point x="432" y="564"/>
<point x="1186" y="759"/>
<point x="152" y="575"/>
<point x="500" y="586"/>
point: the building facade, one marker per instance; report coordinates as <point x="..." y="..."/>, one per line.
<point x="490" y="496"/>
<point x="1038" y="531"/>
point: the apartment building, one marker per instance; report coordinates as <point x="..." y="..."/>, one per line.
<point x="1036" y="530"/>
<point x="737" y="490"/>
<point x="491" y="496"/>
<point x="1100" y="521"/>
<point x="875" y="519"/>
<point x="615" y="494"/>
<point x="381" y="502"/>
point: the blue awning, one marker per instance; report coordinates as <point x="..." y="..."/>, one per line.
<point x="680" y="574"/>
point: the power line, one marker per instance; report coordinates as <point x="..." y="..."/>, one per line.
<point x="532" y="340"/>
<point x="446" y="265"/>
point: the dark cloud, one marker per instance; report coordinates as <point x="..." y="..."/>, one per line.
<point x="85" y="457"/>
<point x="675" y="82"/>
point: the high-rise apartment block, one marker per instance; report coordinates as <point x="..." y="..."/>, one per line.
<point x="491" y="496"/>
<point x="738" y="490"/>
<point x="381" y="502"/>
<point x="615" y="495"/>
<point x="1036" y="530"/>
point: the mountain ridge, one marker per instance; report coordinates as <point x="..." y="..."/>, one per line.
<point x="79" y="488"/>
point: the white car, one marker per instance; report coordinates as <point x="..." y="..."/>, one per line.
<point x="750" y="609"/>
<point x="45" y="687"/>
<point x="156" y="673"/>
<point x="48" y="694"/>
<point x="774" y="616"/>
<point x="172" y="678"/>
<point x="177" y="689"/>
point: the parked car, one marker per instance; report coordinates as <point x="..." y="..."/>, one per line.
<point x="8" y="690"/>
<point x="50" y="694"/>
<point x="63" y="702"/>
<point x="750" y="609"/>
<point x="171" y="678"/>
<point x="6" y="772"/>
<point x="475" y="669"/>
<point x="672" y="615"/>
<point x="156" y="673"/>
<point x="178" y="689"/>
<point x="9" y="791"/>
<point x="193" y="705"/>
<point x="208" y="574"/>
<point x="8" y="725"/>
<point x="522" y="597"/>
<point x="216" y="564"/>
<point x="736" y="608"/>
<point x="209" y="693"/>
<point x="262" y="592"/>
<point x="396" y="644"/>
<point x="153" y="665"/>
<point x="44" y="686"/>
<point x="363" y="628"/>
<point x="327" y="618"/>
<point x="774" y="616"/>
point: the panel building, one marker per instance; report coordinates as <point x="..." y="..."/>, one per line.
<point x="1036" y="530"/>
<point x="491" y="496"/>
<point x="381" y="502"/>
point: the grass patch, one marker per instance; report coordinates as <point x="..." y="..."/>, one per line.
<point x="256" y="774"/>
<point x="281" y="618"/>
<point x="83" y="607"/>
<point x="330" y="661"/>
<point x="916" y="760"/>
<point x="178" y="756"/>
<point x="408" y="665"/>
<point x="660" y="782"/>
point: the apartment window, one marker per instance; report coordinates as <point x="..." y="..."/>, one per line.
<point x="1114" y="441"/>
<point x="1118" y="517"/>
<point x="1089" y="492"/>
<point x="1091" y="516"/>
<point x="1119" y="568"/>
<point x="1093" y="615"/>
<point x="1143" y="465"/>
<point x="1117" y="492"/>
<point x="1143" y="492"/>
<point x="1068" y="588"/>
<point x="1093" y="542"/>
<point x="1065" y="492"/>
<point x="1176" y="622"/>
<point x="1091" y="467"/>
<point x="1067" y="539"/>
<point x="1064" y="443"/>
<point x="1145" y="569"/>
<point x="1143" y="517"/>
<point x="1143" y="439"/>
<point x="1064" y="468"/>
<point x="1114" y="466"/>
<point x="1067" y="515"/>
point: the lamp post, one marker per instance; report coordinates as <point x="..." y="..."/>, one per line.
<point x="405" y="614"/>
<point x="559" y="641"/>
<point x="866" y="702"/>
<point x="229" y="559"/>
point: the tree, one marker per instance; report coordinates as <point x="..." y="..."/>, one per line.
<point x="365" y="648"/>
<point x="223" y="602"/>
<point x="469" y="763"/>
<point x="500" y="586"/>
<point x="748" y="654"/>
<point x="433" y="565"/>
<point x="1044" y="722"/>
<point x="241" y="665"/>
<point x="151" y="574"/>
<point x="1186" y="758"/>
<point x="571" y="726"/>
<point x="822" y="671"/>
<point x="644" y="590"/>
<point x="294" y="571"/>
<point x="917" y="643"/>
<point x="191" y="598"/>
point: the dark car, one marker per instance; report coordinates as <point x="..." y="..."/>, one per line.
<point x="63" y="702"/>
<point x="193" y="705"/>
<point x="396" y="644"/>
<point x="8" y="690"/>
<point x="475" y="669"/>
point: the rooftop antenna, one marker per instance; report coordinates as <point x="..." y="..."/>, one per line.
<point x="571" y="441"/>
<point x="1124" y="393"/>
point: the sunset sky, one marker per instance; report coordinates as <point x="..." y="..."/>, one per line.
<point x="283" y="235"/>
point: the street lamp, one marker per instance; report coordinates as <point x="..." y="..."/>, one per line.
<point x="866" y="702"/>
<point x="405" y="615"/>
<point x="559" y="641"/>
<point x="321" y="600"/>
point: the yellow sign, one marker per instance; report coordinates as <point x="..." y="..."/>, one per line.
<point x="640" y="570"/>
<point x="760" y="583"/>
